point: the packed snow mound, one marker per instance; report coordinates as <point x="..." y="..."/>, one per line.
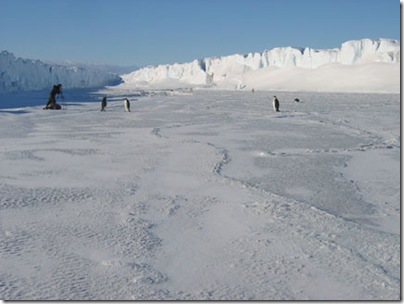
<point x="17" y="74"/>
<point x="254" y="70"/>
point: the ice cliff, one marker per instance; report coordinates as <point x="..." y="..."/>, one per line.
<point x="237" y="70"/>
<point x="17" y="74"/>
<point x="367" y="65"/>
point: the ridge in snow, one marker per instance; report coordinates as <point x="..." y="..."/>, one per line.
<point x="18" y="74"/>
<point x="367" y="65"/>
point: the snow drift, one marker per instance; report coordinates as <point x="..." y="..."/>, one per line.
<point x="357" y="66"/>
<point x="17" y="74"/>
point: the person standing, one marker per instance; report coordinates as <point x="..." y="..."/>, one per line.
<point x="52" y="105"/>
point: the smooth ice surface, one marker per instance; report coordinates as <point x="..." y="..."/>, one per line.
<point x="202" y="195"/>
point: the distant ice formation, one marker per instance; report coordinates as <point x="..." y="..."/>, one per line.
<point x="367" y="65"/>
<point x="236" y="70"/>
<point x="17" y="74"/>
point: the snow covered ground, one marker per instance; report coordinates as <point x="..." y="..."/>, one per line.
<point x="202" y="195"/>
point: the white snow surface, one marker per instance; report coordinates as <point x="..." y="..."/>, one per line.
<point x="367" y="65"/>
<point x="18" y="74"/>
<point x="202" y="195"/>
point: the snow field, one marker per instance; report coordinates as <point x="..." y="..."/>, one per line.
<point x="203" y="195"/>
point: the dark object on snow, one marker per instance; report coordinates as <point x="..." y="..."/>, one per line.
<point x="127" y="105"/>
<point x="52" y="105"/>
<point x="297" y="99"/>
<point x="103" y="104"/>
<point x="275" y="103"/>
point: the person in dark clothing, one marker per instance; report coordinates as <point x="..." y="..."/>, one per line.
<point x="57" y="89"/>
<point x="103" y="104"/>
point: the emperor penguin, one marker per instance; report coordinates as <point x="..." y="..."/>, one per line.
<point x="127" y="105"/>
<point x="275" y="103"/>
<point x="103" y="104"/>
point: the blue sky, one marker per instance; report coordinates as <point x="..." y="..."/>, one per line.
<point x="152" y="32"/>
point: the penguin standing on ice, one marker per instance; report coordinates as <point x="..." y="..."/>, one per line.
<point x="103" y="104"/>
<point x="127" y="105"/>
<point x="275" y="103"/>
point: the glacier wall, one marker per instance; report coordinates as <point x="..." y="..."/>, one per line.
<point x="214" y="71"/>
<point x="17" y="74"/>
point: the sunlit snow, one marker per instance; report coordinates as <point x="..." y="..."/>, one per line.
<point x="205" y="194"/>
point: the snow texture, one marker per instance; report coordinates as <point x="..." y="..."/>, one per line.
<point x="17" y="74"/>
<point x="202" y="195"/>
<point x="354" y="63"/>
